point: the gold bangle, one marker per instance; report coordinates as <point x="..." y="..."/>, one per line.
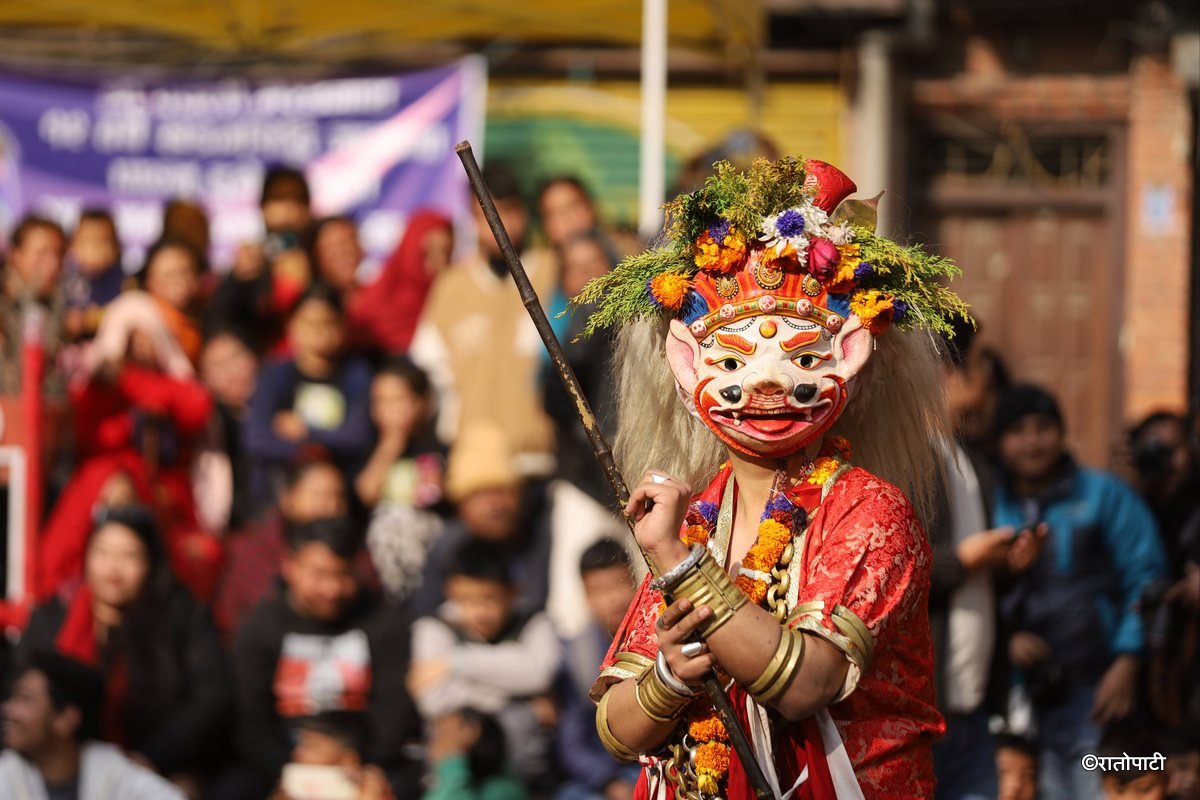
<point x="611" y="743"/>
<point x="710" y="585"/>
<point x="660" y="702"/>
<point x="770" y="685"/>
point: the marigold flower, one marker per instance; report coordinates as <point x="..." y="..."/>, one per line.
<point x="823" y="469"/>
<point x="670" y="289"/>
<point x="695" y="534"/>
<point x="755" y="590"/>
<point x="708" y="728"/>
<point x="712" y="758"/>
<point x="873" y="308"/>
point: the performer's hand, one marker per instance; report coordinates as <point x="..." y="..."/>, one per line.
<point x="1027" y="548"/>
<point x="674" y="627"/>
<point x="657" y="527"/>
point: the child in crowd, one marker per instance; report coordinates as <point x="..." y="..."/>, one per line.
<point x="403" y="478"/>
<point x="478" y="653"/>
<point x="1138" y="777"/>
<point x="591" y="772"/>
<point x="1016" y="767"/>
<point x="333" y="742"/>
<point x="315" y="398"/>
<point x="172" y="277"/>
<point x="469" y="759"/>
<point x="93" y="276"/>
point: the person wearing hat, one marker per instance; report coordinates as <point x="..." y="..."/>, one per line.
<point x="51" y="722"/>
<point x="1077" y="637"/>
<point x="491" y="503"/>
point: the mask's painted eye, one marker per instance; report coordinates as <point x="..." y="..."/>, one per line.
<point x="726" y="363"/>
<point x="809" y="360"/>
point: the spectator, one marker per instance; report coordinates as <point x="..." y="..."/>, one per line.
<point x="93" y="276"/>
<point x="567" y="210"/>
<point x="969" y="561"/>
<point x="229" y="369"/>
<point x="492" y="504"/>
<point x="581" y="498"/>
<point x="1077" y="638"/>
<point x="172" y="277"/>
<point x="479" y="653"/>
<point x="31" y="278"/>
<point x="316" y="398"/>
<point x="388" y="309"/>
<point x="138" y="406"/>
<point x="469" y="758"/>
<point x="167" y="692"/>
<point x="335" y="741"/>
<point x="591" y="773"/>
<point x="403" y="478"/>
<point x="51" y="720"/>
<point x="319" y="643"/>
<point x="1165" y="473"/>
<point x="337" y="254"/>
<point x="1016" y="768"/>
<point x="267" y="277"/>
<point x="313" y="489"/>
<point x="476" y="340"/>
<point x="1135" y="780"/>
<point x="186" y="221"/>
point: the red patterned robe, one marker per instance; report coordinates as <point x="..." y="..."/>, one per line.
<point x="863" y="561"/>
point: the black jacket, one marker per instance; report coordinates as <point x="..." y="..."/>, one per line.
<point x="179" y="717"/>
<point x="289" y="666"/>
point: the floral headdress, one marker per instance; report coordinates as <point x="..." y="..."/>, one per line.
<point x="776" y="239"/>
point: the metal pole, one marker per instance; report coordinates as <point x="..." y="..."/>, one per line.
<point x="529" y="298"/>
<point x="652" y="163"/>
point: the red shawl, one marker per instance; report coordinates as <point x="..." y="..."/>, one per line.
<point x="387" y="310"/>
<point x="77" y="639"/>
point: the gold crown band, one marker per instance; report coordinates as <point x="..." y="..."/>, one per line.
<point x="612" y="744"/>
<point x="659" y="701"/>
<point x="769" y="686"/>
<point x="707" y="584"/>
<point x="799" y="308"/>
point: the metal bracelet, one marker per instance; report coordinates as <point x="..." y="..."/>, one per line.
<point x="670" y="678"/>
<point x="668" y="580"/>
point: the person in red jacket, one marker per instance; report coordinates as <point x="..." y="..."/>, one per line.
<point x="138" y="409"/>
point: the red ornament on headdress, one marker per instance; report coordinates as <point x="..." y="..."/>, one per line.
<point x="833" y="186"/>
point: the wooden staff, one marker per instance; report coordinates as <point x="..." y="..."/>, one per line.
<point x="712" y="684"/>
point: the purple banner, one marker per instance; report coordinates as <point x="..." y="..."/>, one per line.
<point x="377" y="148"/>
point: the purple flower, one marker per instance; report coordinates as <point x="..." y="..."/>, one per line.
<point x="863" y="270"/>
<point x="790" y="223"/>
<point x="708" y="511"/>
<point x="899" y="310"/>
<point x="719" y="230"/>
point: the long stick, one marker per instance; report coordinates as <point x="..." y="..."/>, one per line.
<point x="712" y="684"/>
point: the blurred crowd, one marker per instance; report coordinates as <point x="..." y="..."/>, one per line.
<point x="308" y="533"/>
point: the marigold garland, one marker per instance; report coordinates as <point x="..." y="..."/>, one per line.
<point x="775" y="533"/>
<point x="873" y="308"/>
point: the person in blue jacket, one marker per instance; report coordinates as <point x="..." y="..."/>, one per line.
<point x="1076" y="632"/>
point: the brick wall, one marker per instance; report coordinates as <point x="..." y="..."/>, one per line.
<point x="1154" y="336"/>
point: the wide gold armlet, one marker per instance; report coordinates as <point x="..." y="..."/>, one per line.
<point x="770" y="685"/>
<point x="611" y="743"/>
<point x="705" y="583"/>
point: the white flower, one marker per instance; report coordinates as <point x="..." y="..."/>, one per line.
<point x="840" y="234"/>
<point x="792" y="235"/>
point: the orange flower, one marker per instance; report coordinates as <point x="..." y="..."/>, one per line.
<point x="755" y="590"/>
<point x="840" y="447"/>
<point x="695" y="534"/>
<point x="708" y="728"/>
<point x="712" y="758"/>
<point x="707" y="252"/>
<point x="873" y="308"/>
<point x="669" y="289"/>
<point x="823" y="469"/>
